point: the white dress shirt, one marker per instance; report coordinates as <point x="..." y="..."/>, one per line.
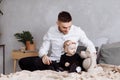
<point x="54" y="40"/>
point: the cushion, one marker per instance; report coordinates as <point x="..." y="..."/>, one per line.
<point x="110" y="54"/>
<point x="100" y="41"/>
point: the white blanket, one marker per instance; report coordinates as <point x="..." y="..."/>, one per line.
<point x="102" y="72"/>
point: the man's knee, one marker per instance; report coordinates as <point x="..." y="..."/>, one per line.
<point x="27" y="63"/>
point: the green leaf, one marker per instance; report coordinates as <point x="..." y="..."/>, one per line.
<point x="24" y="36"/>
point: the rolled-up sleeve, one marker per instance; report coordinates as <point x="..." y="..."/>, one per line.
<point x="45" y="45"/>
<point x="90" y="46"/>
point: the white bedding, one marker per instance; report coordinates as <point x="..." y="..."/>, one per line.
<point x="109" y="72"/>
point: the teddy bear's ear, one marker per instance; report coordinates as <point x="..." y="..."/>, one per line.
<point x="87" y="63"/>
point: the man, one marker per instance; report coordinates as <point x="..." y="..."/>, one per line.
<point x="54" y="39"/>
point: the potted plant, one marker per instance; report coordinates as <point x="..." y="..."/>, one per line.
<point x="26" y="38"/>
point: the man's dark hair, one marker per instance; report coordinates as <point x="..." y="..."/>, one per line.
<point x="64" y="16"/>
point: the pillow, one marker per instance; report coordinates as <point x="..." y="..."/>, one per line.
<point x="110" y="54"/>
<point x="100" y="41"/>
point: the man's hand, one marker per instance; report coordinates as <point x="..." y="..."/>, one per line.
<point x="46" y="60"/>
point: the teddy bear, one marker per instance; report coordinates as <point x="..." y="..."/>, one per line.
<point x="87" y="59"/>
<point x="89" y="62"/>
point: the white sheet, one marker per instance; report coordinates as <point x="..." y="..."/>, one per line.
<point x="109" y="72"/>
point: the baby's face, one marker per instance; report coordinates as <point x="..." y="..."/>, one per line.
<point x="71" y="49"/>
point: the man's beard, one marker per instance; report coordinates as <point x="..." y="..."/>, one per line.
<point x="62" y="31"/>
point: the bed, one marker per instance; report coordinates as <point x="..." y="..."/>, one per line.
<point x="107" y="69"/>
<point x="102" y="72"/>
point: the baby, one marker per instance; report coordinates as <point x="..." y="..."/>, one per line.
<point x="71" y="61"/>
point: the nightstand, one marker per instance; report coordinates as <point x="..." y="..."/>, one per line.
<point x="16" y="55"/>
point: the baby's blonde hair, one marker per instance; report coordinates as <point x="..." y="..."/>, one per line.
<point x="66" y="43"/>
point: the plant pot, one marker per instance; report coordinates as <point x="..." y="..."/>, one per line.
<point x="30" y="46"/>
